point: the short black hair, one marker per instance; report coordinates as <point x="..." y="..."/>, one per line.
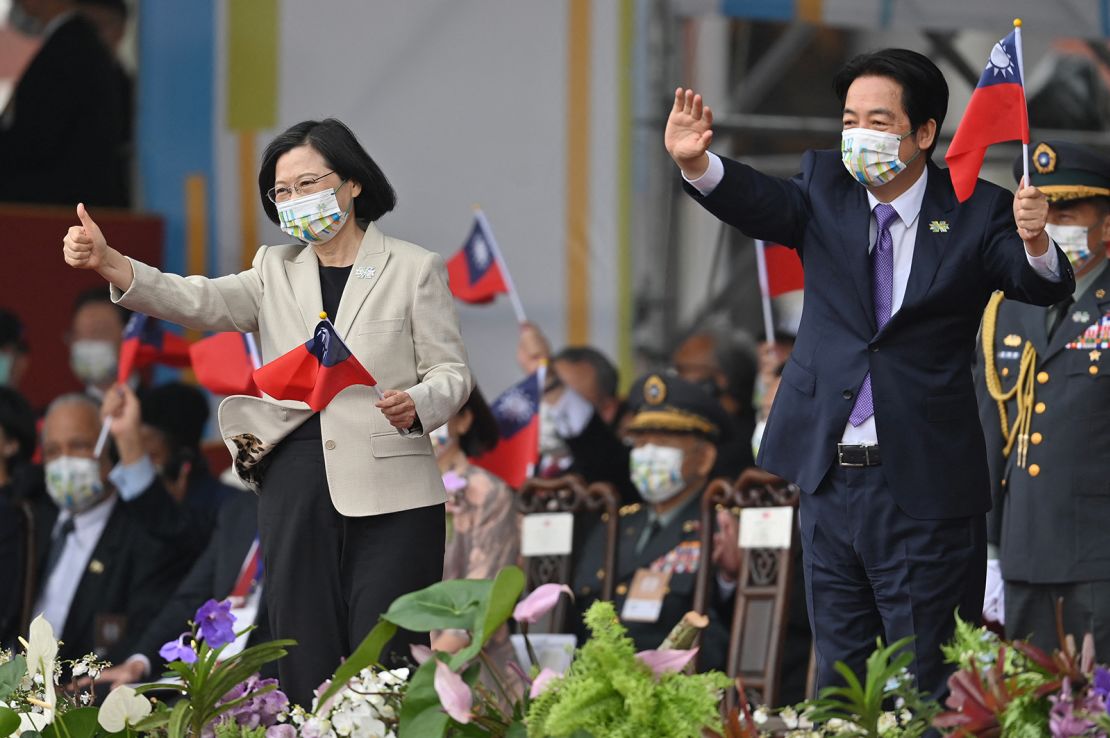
<point x="344" y="154"/>
<point x="180" y="411"/>
<point x="12" y="333"/>
<point x="483" y="433"/>
<point x="17" y="420"/>
<point x="924" y="89"/>
<point x="606" y="373"/>
<point x="99" y="294"/>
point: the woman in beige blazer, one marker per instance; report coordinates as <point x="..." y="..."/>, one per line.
<point x="351" y="501"/>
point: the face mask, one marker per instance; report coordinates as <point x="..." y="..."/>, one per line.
<point x="314" y="218"/>
<point x="551" y="443"/>
<point x="73" y="482"/>
<point x="440" y="439"/>
<point x="24" y="22"/>
<point x="94" y="362"/>
<point x="1073" y="240"/>
<point x="657" y="472"/>
<point x="7" y="360"/>
<point x="872" y="156"/>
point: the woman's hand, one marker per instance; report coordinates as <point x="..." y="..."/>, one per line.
<point x="398" y="408"/>
<point x="84" y="247"/>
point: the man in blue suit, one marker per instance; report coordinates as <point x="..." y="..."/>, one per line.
<point x="875" y="417"/>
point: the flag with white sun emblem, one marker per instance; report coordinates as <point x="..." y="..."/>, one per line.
<point x="475" y="271"/>
<point x="517" y="411"/>
<point x="995" y="113"/>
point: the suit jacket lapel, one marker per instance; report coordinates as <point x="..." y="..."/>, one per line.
<point x="929" y="247"/>
<point x="86" y="600"/>
<point x="367" y="272"/>
<point x="1034" y="322"/>
<point x="304" y="279"/>
<point x="855" y="240"/>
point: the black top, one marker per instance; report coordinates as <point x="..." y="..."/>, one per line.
<point x="332" y="282"/>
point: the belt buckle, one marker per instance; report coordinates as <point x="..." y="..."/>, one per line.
<point x="842" y="462"/>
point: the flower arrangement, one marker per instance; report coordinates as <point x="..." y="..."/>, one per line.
<point x="369" y="707"/>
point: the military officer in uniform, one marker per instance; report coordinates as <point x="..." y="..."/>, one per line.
<point x="675" y="434"/>
<point x="1044" y="384"/>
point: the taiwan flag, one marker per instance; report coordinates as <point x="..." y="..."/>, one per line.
<point x="995" y="113"/>
<point x="145" y="343"/>
<point x="784" y="270"/>
<point x="517" y="411"/>
<point x="475" y="271"/>
<point x="314" y="372"/>
<point x="223" y="365"/>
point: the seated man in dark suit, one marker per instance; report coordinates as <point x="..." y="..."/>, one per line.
<point x="675" y="430"/>
<point x="18" y="482"/>
<point x="104" y="574"/>
<point x="229" y="567"/>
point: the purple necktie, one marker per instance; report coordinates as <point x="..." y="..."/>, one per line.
<point x="882" y="289"/>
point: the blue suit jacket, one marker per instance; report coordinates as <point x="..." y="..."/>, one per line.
<point x="934" y="457"/>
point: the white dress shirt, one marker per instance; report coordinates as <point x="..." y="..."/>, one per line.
<point x="903" y="234"/>
<point x="57" y="593"/>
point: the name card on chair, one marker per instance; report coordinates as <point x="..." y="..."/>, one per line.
<point x="766" y="527"/>
<point x="547" y="534"/>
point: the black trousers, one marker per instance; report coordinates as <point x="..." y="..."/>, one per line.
<point x="871" y="571"/>
<point x="1031" y="613"/>
<point x="329" y="577"/>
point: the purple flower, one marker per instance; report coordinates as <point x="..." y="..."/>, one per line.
<point x="1064" y="721"/>
<point x="258" y="710"/>
<point x="1101" y="685"/>
<point x="215" y="623"/>
<point x="177" y="650"/>
<point x="281" y="730"/>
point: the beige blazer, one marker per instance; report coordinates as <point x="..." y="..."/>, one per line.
<point x="398" y="318"/>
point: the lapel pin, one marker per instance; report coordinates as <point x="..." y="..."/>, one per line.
<point x="1081" y="316"/>
<point x="938" y="226"/>
<point x="1012" y="340"/>
<point x="96" y="567"/>
<point x="1100" y="293"/>
<point x="367" y="272"/>
<point x="1095" y="355"/>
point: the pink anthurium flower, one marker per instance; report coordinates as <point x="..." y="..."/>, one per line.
<point x="420" y="653"/>
<point x="453" y="482"/>
<point x="540" y="602"/>
<point x="454" y="695"/>
<point x="662" y="661"/>
<point x="542" y="680"/>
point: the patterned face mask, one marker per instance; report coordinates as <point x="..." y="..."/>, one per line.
<point x="314" y="218"/>
<point x="73" y="482"/>
<point x="872" y="156"/>
<point x="657" y="472"/>
<point x="1072" y="239"/>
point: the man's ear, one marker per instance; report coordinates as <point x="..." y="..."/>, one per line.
<point x="1104" y="235"/>
<point x="926" y="134"/>
<point x="707" y="458"/>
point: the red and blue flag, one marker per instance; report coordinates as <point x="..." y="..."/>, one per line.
<point x="995" y="113"/>
<point x="314" y="372"/>
<point x="145" y="342"/>
<point x="517" y="411"/>
<point x="223" y="365"/>
<point x="474" y="272"/>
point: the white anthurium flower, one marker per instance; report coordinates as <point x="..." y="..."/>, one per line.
<point x="42" y="652"/>
<point x="122" y="707"/>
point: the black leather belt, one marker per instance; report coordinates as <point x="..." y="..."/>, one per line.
<point x="858" y="455"/>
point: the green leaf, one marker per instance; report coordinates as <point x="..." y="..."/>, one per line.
<point x="454" y="604"/>
<point x="9" y="722"/>
<point x="421" y="714"/>
<point x="79" y="723"/>
<point x="496" y="609"/>
<point x="11" y="673"/>
<point x="369" y="652"/>
<point x="232" y="672"/>
<point x="517" y="730"/>
<point x="179" y="719"/>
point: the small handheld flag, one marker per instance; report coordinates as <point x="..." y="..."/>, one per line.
<point x="517" y="411"/>
<point x="996" y="112"/>
<point x="477" y="273"/>
<point x="316" y="371"/>
<point x="780" y="271"/>
<point x="223" y="364"/>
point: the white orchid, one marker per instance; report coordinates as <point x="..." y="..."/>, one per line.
<point x="122" y="707"/>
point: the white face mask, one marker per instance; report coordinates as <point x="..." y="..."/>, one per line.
<point x="73" y="482"/>
<point x="657" y="472"/>
<point x="551" y="443"/>
<point x="872" y="156"/>
<point x="1073" y="240"/>
<point x="314" y="218"/>
<point x="94" y="362"/>
<point x="441" y="439"/>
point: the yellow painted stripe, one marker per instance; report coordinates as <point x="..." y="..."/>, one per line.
<point x="809" y="10"/>
<point x="252" y="64"/>
<point x="196" y="235"/>
<point x="248" y="198"/>
<point x="626" y="360"/>
<point x="577" y="173"/>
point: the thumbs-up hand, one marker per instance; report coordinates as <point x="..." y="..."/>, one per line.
<point x="84" y="245"/>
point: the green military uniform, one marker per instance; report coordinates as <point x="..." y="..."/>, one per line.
<point x="1052" y="481"/>
<point x="668" y="544"/>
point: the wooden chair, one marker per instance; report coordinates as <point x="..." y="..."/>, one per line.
<point x="571" y="494"/>
<point x="762" y="599"/>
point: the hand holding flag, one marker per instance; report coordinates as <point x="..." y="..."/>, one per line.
<point x="478" y="273"/>
<point x="1031" y="215"/>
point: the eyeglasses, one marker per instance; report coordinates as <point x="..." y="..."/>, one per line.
<point x="303" y="186"/>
